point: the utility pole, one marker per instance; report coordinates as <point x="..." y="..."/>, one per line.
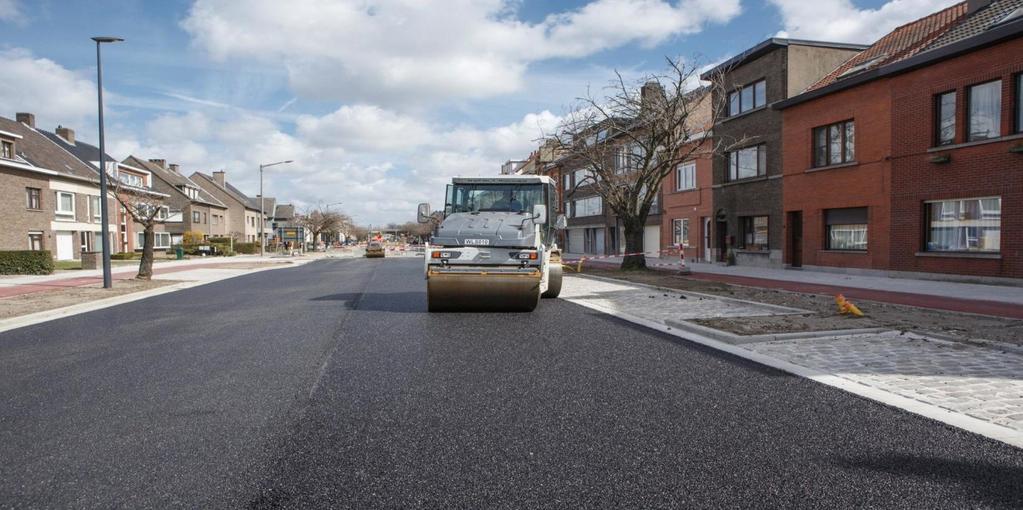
<point x="103" y="206"/>
<point x="262" y="207"/>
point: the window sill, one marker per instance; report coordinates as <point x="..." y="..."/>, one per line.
<point x="753" y="252"/>
<point x="680" y="191"/>
<point x="758" y="178"/>
<point x="744" y="114"/>
<point x="959" y="255"/>
<point x="940" y="148"/>
<point x="832" y="167"/>
<point x="29" y="209"/>
<point x="846" y="252"/>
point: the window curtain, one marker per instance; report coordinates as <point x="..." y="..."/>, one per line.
<point x="985" y="110"/>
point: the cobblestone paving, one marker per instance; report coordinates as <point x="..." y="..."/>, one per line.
<point x="981" y="382"/>
<point x="658" y="305"/>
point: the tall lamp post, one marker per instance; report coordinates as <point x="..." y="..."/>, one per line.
<point x="262" y="207"/>
<point x="104" y="214"/>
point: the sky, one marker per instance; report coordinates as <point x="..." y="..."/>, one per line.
<point x="378" y="102"/>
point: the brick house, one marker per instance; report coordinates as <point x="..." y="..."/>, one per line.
<point x="200" y="211"/>
<point x="925" y="185"/>
<point x="747" y="176"/>
<point x="51" y="199"/>
<point x="688" y="194"/>
<point x="128" y="236"/>
<point x="837" y="155"/>
<point x="957" y="178"/>
<point x="242" y="211"/>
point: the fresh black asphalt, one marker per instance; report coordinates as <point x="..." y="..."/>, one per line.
<point x="328" y="385"/>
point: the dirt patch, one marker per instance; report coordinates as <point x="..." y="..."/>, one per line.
<point x="824" y="316"/>
<point x="60" y="297"/>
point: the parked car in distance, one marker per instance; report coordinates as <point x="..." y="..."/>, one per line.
<point x="374" y="250"/>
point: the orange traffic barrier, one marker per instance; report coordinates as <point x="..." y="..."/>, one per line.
<point x="845" y="306"/>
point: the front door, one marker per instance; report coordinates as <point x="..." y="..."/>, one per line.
<point x="722" y="233"/>
<point x="796" y="238"/>
<point x="706" y="240"/>
<point x="65" y="245"/>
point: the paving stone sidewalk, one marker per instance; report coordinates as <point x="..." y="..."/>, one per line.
<point x="974" y="380"/>
<point x="981" y="382"/>
<point x="657" y="305"/>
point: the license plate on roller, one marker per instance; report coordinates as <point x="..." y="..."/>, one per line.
<point x="477" y="242"/>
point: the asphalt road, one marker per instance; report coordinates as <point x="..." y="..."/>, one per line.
<point x="328" y="385"/>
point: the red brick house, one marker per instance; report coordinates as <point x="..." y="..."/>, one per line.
<point x="836" y="155"/>
<point x="957" y="150"/>
<point x="688" y="195"/>
<point x="904" y="159"/>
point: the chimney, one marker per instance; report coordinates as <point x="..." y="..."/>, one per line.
<point x="650" y="94"/>
<point x="220" y="177"/>
<point x="67" y="134"/>
<point x="174" y="167"/>
<point x="27" y="119"/>
<point x="973" y="6"/>
<point x="162" y="163"/>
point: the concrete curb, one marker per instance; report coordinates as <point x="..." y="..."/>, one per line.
<point x="782" y="309"/>
<point x="69" y="311"/>
<point x="735" y="339"/>
<point x="968" y="423"/>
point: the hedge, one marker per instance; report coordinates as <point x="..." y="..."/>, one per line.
<point x="125" y="256"/>
<point x="26" y="262"/>
<point x="246" y="248"/>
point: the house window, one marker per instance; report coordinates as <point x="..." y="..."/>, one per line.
<point x="216" y="219"/>
<point x="964" y="225"/>
<point x="834" y="144"/>
<point x="95" y="208"/>
<point x="946" y="118"/>
<point x="580" y="176"/>
<point x="591" y="206"/>
<point x="6" y="149"/>
<point x="131" y="180"/>
<point x="846" y="229"/>
<point x="754" y="232"/>
<point x="161" y="240"/>
<point x="685" y="176"/>
<point x="985" y="111"/>
<point x="65" y="203"/>
<point x="680" y="232"/>
<point x="629" y="157"/>
<point x="567" y="184"/>
<point x="747" y="98"/>
<point x="196" y="216"/>
<point x="34" y="198"/>
<point x="35" y="241"/>
<point x="1019" y="102"/>
<point x="747" y="163"/>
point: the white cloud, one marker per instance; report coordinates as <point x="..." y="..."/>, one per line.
<point x="414" y="53"/>
<point x="43" y="87"/>
<point x="842" y="21"/>
<point x="364" y="128"/>
<point x="10" y="12"/>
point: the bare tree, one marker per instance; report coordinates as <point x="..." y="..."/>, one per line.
<point x="322" y="221"/>
<point x="144" y="207"/>
<point x="632" y="138"/>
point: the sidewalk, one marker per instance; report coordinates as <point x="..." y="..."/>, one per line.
<point x="995" y="300"/>
<point x="975" y="387"/>
<point x="21" y="285"/>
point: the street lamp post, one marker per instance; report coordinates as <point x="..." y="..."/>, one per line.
<point x="262" y="207"/>
<point x="104" y="213"/>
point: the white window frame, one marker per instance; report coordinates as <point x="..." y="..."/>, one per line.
<point x="64" y="212"/>
<point x="5" y="145"/>
<point x="157" y="237"/>
<point x="685" y="176"/>
<point x="680" y="232"/>
<point x="95" y="208"/>
<point x="41" y="239"/>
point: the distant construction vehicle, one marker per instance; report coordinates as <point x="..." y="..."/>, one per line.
<point x="495" y="249"/>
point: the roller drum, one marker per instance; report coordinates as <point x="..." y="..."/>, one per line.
<point x="482" y="292"/>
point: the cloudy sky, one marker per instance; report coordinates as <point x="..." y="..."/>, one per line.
<point x="379" y="102"/>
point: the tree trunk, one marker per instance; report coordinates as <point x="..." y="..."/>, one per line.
<point x="146" y="264"/>
<point x="633" y="244"/>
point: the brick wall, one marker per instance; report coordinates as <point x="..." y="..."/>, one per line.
<point x="694" y="205"/>
<point x="863" y="184"/>
<point x="975" y="170"/>
<point x="18" y="219"/>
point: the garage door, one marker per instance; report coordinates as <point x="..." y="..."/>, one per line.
<point x="652" y="240"/>
<point x="65" y="245"/>
<point x="575" y="240"/>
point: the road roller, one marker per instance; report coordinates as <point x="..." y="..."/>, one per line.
<point x="494" y="248"/>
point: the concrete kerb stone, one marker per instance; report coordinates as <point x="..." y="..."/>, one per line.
<point x="735" y="339"/>
<point x="957" y="420"/>
<point x="782" y="310"/>
<point x="68" y="311"/>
